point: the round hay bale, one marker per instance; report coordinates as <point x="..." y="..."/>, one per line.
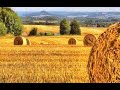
<point x="72" y="41"/>
<point x="28" y="42"/>
<point x="20" y="41"/>
<point x="89" y="40"/>
<point x="104" y="60"/>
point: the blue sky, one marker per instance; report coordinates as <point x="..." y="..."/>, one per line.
<point x="69" y="9"/>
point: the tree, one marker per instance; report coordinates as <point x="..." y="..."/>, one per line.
<point x="33" y="32"/>
<point x="75" y="28"/>
<point x="3" y="29"/>
<point x="64" y="27"/>
<point x="11" y="21"/>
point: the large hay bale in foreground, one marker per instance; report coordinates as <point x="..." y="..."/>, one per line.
<point x="89" y="40"/>
<point x="20" y="41"/>
<point x="72" y="41"/>
<point x="28" y="42"/>
<point x="104" y="60"/>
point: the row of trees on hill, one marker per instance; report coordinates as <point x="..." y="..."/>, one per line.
<point x="67" y="28"/>
<point x="9" y="22"/>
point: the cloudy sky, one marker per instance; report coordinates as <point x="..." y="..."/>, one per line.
<point x="68" y="9"/>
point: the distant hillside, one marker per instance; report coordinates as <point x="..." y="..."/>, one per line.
<point x="85" y="18"/>
<point x="71" y="14"/>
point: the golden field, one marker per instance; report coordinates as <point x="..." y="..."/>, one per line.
<point x="49" y="58"/>
<point x="55" y="29"/>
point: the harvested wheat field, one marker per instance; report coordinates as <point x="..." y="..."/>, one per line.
<point x="48" y="59"/>
<point x="44" y="63"/>
<point x="55" y="29"/>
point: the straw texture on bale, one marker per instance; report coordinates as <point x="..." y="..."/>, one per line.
<point x="117" y="44"/>
<point x="28" y="42"/>
<point x="72" y="41"/>
<point x="20" y="41"/>
<point x="104" y="60"/>
<point x="89" y="40"/>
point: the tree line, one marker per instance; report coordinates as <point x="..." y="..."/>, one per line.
<point x="66" y="28"/>
<point x="83" y="21"/>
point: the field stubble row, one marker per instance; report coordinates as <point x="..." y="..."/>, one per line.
<point x="43" y="64"/>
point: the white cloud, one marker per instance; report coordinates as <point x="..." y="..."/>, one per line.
<point x="68" y="9"/>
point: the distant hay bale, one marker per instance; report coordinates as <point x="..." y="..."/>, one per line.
<point x="20" y="41"/>
<point x="72" y="41"/>
<point x="104" y="59"/>
<point x="28" y="42"/>
<point x="89" y="40"/>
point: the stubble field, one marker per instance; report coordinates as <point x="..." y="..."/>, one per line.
<point x="49" y="58"/>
